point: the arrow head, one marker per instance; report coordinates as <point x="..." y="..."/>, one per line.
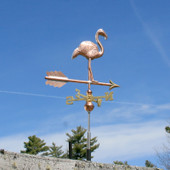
<point x="112" y="85"/>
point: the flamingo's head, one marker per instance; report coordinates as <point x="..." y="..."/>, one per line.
<point x="102" y="33"/>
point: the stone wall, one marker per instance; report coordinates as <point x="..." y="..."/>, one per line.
<point x="16" y="161"/>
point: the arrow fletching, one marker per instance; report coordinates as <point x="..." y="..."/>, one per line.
<point x="55" y="83"/>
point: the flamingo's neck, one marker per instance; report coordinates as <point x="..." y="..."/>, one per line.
<point x="100" y="45"/>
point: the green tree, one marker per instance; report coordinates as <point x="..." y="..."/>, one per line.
<point x="34" y="146"/>
<point x="54" y="151"/>
<point x="79" y="143"/>
<point x="167" y="129"/>
<point x="149" y="164"/>
<point x="120" y="163"/>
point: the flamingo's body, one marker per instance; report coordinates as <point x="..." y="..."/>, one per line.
<point x="90" y="50"/>
<point x="87" y="49"/>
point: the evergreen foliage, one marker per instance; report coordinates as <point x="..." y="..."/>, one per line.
<point x="54" y="151"/>
<point x="120" y="163"/>
<point x="167" y="129"/>
<point x="79" y="143"/>
<point x="149" y="164"/>
<point x="34" y="146"/>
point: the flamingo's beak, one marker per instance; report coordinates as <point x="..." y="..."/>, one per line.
<point x="105" y="37"/>
<point x="102" y="32"/>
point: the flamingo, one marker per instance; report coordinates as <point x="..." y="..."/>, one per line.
<point x="90" y="50"/>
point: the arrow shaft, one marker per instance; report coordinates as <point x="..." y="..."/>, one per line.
<point x="65" y="79"/>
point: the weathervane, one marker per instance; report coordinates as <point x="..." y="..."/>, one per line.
<point x="57" y="79"/>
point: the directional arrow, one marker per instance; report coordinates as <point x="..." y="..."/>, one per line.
<point x="58" y="79"/>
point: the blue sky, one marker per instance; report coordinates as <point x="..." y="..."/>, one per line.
<point x="39" y="36"/>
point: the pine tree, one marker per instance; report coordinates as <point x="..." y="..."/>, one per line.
<point x="35" y="145"/>
<point x="79" y="143"/>
<point x="149" y="164"/>
<point x="54" y="151"/>
<point x="120" y="163"/>
<point x="167" y="129"/>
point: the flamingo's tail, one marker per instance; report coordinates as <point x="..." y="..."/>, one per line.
<point x="75" y="53"/>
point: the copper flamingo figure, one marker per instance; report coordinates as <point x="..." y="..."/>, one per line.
<point x="90" y="50"/>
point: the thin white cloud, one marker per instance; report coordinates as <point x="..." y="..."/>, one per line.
<point x="164" y="106"/>
<point x="150" y="34"/>
<point x="142" y="105"/>
<point x="130" y="141"/>
<point x="132" y="113"/>
<point x="13" y="143"/>
<point x="30" y="94"/>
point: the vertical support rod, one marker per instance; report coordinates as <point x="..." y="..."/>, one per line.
<point x="88" y="140"/>
<point x="89" y="71"/>
<point x="70" y="150"/>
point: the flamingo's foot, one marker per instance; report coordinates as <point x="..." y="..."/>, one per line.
<point x="94" y="81"/>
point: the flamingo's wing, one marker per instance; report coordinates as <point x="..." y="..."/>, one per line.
<point x="87" y="49"/>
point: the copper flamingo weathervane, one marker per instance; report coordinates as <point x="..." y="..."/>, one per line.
<point x="90" y="50"/>
<point x="57" y="79"/>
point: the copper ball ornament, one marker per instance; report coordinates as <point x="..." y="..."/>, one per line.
<point x="89" y="106"/>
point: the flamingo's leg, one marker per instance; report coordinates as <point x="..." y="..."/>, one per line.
<point x="90" y="74"/>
